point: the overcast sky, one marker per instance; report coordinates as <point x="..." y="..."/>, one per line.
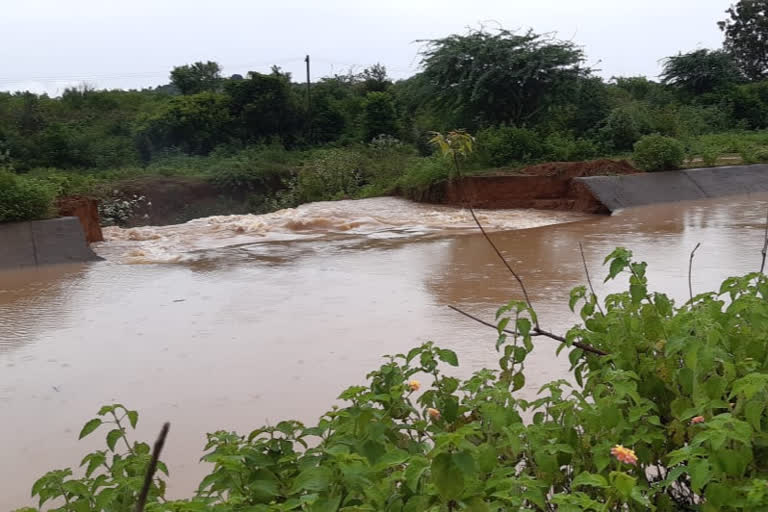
<point x="46" y="45"/>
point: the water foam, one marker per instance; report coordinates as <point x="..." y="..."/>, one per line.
<point x="376" y="218"/>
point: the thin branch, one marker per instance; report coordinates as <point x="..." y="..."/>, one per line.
<point x="152" y="467"/>
<point x="536" y="332"/>
<point x="765" y="245"/>
<point x="690" y="270"/>
<point x="504" y="260"/>
<point x="589" y="280"/>
<point x="488" y="324"/>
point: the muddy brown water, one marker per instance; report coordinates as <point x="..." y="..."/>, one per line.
<point x="234" y="322"/>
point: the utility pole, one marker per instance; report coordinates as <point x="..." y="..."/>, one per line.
<point x="309" y="102"/>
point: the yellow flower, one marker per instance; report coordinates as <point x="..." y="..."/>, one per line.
<point x="414" y="385"/>
<point x="624" y="455"/>
<point x="697" y="419"/>
<point x="433" y="413"/>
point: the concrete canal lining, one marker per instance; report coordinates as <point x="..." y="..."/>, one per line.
<point x="43" y="242"/>
<point x="617" y="192"/>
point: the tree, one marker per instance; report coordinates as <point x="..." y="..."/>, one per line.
<point x="701" y="71"/>
<point x="379" y="115"/>
<point x="375" y="79"/>
<point x="194" y="124"/>
<point x="746" y="36"/>
<point x="502" y="77"/>
<point x="197" y="77"/>
<point x="262" y="106"/>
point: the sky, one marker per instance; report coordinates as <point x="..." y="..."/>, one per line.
<point x="48" y="45"/>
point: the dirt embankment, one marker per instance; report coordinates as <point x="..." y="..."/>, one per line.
<point x="85" y="209"/>
<point x="174" y="200"/>
<point x="548" y="186"/>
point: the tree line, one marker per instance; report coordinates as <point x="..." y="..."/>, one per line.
<point x="514" y="89"/>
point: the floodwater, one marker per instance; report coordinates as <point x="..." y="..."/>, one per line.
<point x="234" y="322"/>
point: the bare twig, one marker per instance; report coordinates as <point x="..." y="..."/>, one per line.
<point x="152" y="467"/>
<point x="690" y="270"/>
<point x="504" y="260"/>
<point x="765" y="245"/>
<point x="536" y="332"/>
<point x="589" y="280"/>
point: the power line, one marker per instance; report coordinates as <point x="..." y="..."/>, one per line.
<point x="138" y="74"/>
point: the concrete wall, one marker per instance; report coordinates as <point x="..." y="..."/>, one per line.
<point x="43" y="242"/>
<point x="617" y="192"/>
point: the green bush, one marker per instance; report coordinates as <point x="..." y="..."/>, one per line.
<point x="561" y="148"/>
<point x="658" y="153"/>
<point x="421" y="174"/>
<point x="748" y="153"/>
<point x="665" y="410"/>
<point x="505" y="145"/>
<point x="329" y="174"/>
<point x="24" y="198"/>
<point x="624" y="126"/>
<point x="67" y="184"/>
<point x="709" y="155"/>
<point x="761" y="155"/>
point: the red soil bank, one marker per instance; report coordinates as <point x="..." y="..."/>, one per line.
<point x="87" y="210"/>
<point x="548" y="186"/>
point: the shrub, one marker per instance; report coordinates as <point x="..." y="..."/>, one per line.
<point x="761" y="155"/>
<point x="67" y="184"/>
<point x="504" y="145"/>
<point x="24" y="198"/>
<point x="624" y="126"/>
<point x="666" y="410"/>
<point x="329" y="174"/>
<point x="748" y="153"/>
<point x="562" y="148"/>
<point x="658" y="153"/>
<point x="421" y="174"/>
<point x="709" y="155"/>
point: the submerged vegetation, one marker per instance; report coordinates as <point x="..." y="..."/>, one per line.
<point x="665" y="409"/>
<point x="529" y="98"/>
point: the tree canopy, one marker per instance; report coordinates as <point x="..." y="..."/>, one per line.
<point x="746" y="36"/>
<point x="197" y="77"/>
<point x="485" y="78"/>
<point x="701" y="71"/>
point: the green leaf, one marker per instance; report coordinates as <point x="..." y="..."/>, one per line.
<point x="523" y="326"/>
<point x="417" y="504"/>
<point x="623" y="483"/>
<point x="719" y="495"/>
<point x="753" y="412"/>
<point x="162" y="467"/>
<point x="477" y="505"/>
<point x="312" y="479"/>
<point x="264" y="484"/>
<point x="448" y="478"/>
<point x="112" y="437"/>
<point x="465" y="462"/>
<point x="448" y="356"/>
<point x="577" y="294"/>
<point x="133" y="417"/>
<point x="392" y="458"/>
<point x="589" y="479"/>
<point x="412" y="353"/>
<point x="76" y="488"/>
<point x="89" y="427"/>
<point x="414" y="471"/>
<point x="518" y="381"/>
<point x="487" y="457"/>
<point x="700" y="472"/>
<point x="106" y="409"/>
<point x="637" y="495"/>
